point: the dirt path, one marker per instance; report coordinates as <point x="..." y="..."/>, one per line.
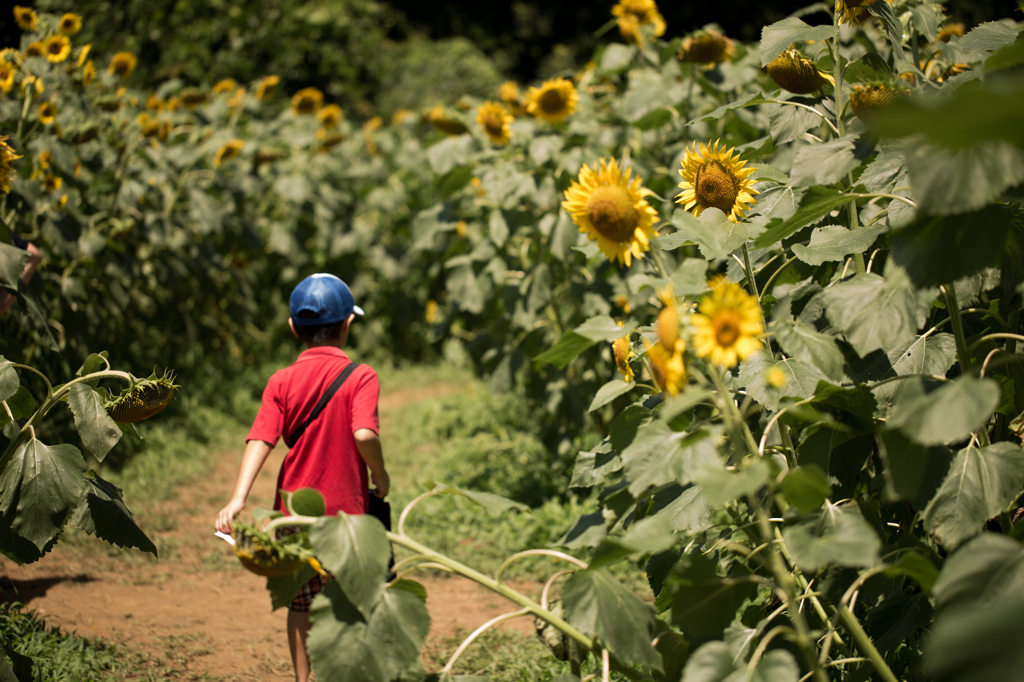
<point x="195" y="609"/>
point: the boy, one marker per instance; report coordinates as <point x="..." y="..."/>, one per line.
<point x="332" y="454"/>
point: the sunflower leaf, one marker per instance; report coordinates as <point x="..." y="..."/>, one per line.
<point x="824" y="164"/>
<point x="874" y="312"/>
<point x="715" y="234"/>
<point x="778" y="36"/>
<point x="835" y="243"/>
<point x="749" y="101"/>
<point x="814" y="205"/>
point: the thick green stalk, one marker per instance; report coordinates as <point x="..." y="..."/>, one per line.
<point x="953" y="306"/>
<point x="865" y="644"/>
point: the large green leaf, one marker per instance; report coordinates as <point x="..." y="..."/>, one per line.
<point x="9" y="381"/>
<point x="599" y="606"/>
<point x="977" y="643"/>
<point x="45" y="483"/>
<point x="719" y="485"/>
<point x="777" y="37"/>
<point x="835" y="243"/>
<point x="799" y="378"/>
<point x="103" y="513"/>
<point x="99" y="433"/>
<point x="950" y="413"/>
<point x="913" y="472"/>
<point x="815" y="204"/>
<point x="980" y="484"/>
<point x="949" y="182"/>
<point x="824" y="164"/>
<point x="874" y="312"/>
<point x="716" y="236"/>
<point x="806" y="488"/>
<point x="893" y="28"/>
<point x="284" y="589"/>
<point x="749" y="101"/>
<point x="712" y="662"/>
<point x="802" y="342"/>
<point x="356" y="551"/>
<point x="565" y="351"/>
<point x="704" y="603"/>
<point x="345" y="645"/>
<point x="984" y="569"/>
<point x="939" y="249"/>
<point x="659" y="455"/>
<point x="12" y="262"/>
<point x="932" y="355"/>
<point x="650" y="535"/>
<point x="493" y="504"/>
<point x="788" y="123"/>
<point x="840" y="536"/>
<point x="609" y="392"/>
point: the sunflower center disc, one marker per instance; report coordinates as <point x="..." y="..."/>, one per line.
<point x="493" y="125"/>
<point x="612" y="213"/>
<point x="552" y="101"/>
<point x="716" y="187"/>
<point x="727" y="328"/>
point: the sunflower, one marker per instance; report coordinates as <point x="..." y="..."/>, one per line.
<point x="853" y="12"/>
<point x="88" y="73"/>
<point x="330" y="116"/>
<point x="707" y="47"/>
<point x="495" y="120"/>
<point x="623" y="302"/>
<point x="554" y="101"/>
<point x="867" y="99"/>
<point x="227" y="150"/>
<point x="727" y="324"/>
<point x="47" y="113"/>
<point x="508" y="93"/>
<point x="307" y="101"/>
<point x="633" y="14"/>
<point x="950" y="30"/>
<point x="7" y="72"/>
<point x="795" y="73"/>
<point x="400" y="116"/>
<point x="623" y="352"/>
<point x="226" y="85"/>
<point x="26" y="18"/>
<point x="668" y="366"/>
<point x="460" y="228"/>
<point x="236" y="100"/>
<point x="373" y="124"/>
<point x="430" y="313"/>
<point x="266" y="87"/>
<point x="715" y="177"/>
<point x="612" y="209"/>
<point x="440" y="119"/>
<point x="34" y="83"/>
<point x="70" y="24"/>
<point x="7" y="159"/>
<point x="57" y="48"/>
<point x="52" y="183"/>
<point x="192" y="97"/>
<point x="123" y="64"/>
<point x="83" y="54"/>
<point x="35" y="49"/>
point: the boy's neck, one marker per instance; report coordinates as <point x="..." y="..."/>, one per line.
<point x="333" y="343"/>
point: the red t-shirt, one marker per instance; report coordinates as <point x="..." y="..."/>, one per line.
<point x="325" y="457"/>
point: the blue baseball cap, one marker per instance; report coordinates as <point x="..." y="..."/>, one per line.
<point x="324" y="295"/>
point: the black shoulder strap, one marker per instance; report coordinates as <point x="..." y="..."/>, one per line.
<point x="292" y="439"/>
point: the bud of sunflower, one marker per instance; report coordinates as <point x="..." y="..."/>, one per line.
<point x="623" y="352"/>
<point x="143" y="399"/>
<point x="866" y="99"/>
<point x="707" y="47"/>
<point x="793" y="72"/>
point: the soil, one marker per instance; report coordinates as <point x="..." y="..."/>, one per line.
<point x="194" y="612"/>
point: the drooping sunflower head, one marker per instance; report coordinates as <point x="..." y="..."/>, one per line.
<point x="508" y="93"/>
<point x="708" y="47"/>
<point x="950" y="30"/>
<point x="35" y="49"/>
<point x="7" y="159"/>
<point x="612" y="209"/>
<point x="623" y="352"/>
<point x="330" y="116"/>
<point x="83" y="54"/>
<point x="47" y="113"/>
<point x="445" y="121"/>
<point x="57" y="48"/>
<point x="495" y="119"/>
<point x="714" y="176"/>
<point x="229" y="149"/>
<point x="142" y="399"/>
<point x="554" y="101"/>
<point x="26" y="18"/>
<point x="122" y="64"/>
<point x="635" y="17"/>
<point x="853" y="12"/>
<point x="226" y="85"/>
<point x="7" y="71"/>
<point x="865" y="100"/>
<point x="266" y="87"/>
<point x="727" y="325"/>
<point x="795" y="73"/>
<point x="268" y="556"/>
<point x="327" y="140"/>
<point x="668" y="366"/>
<point x="70" y="24"/>
<point x="192" y="97"/>
<point x="307" y="101"/>
<point x="88" y="73"/>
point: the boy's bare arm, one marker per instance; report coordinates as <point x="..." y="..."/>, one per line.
<point x="368" y="444"/>
<point x="256" y="452"/>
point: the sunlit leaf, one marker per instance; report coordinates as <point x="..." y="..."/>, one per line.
<point x="839" y="536"/>
<point x="355" y="550"/>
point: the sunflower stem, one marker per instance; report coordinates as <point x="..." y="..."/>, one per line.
<point x="751" y="282"/>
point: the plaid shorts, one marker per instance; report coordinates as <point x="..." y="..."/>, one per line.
<point x="305" y="596"/>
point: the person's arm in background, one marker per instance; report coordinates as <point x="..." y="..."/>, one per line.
<point x="256" y="452"/>
<point x="368" y="444"/>
<point x="34" y="260"/>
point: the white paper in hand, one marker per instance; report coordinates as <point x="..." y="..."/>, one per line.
<point x="226" y="538"/>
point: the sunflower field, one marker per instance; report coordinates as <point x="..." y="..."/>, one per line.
<point x="778" y="284"/>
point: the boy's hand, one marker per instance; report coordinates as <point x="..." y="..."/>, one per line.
<point x="383" y="484"/>
<point x="228" y="514"/>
